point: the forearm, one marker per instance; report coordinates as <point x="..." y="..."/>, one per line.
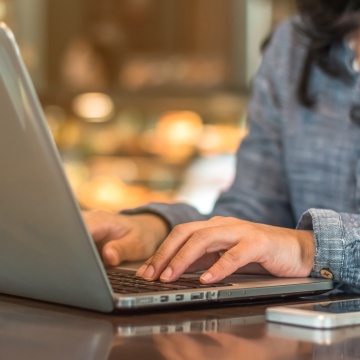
<point x="173" y="214"/>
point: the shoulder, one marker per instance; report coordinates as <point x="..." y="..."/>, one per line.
<point x="287" y="43"/>
<point x="283" y="58"/>
<point x="288" y="35"/>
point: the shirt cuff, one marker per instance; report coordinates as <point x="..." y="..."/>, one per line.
<point x="329" y="242"/>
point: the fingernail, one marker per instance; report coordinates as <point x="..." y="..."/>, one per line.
<point x="166" y="275"/>
<point x="148" y="274"/>
<point x="110" y="256"/>
<point x="141" y="270"/>
<point x="206" y="277"/>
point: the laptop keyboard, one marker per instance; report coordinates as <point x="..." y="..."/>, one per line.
<point x="124" y="282"/>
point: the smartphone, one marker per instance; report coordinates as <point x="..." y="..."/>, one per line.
<point x="322" y="315"/>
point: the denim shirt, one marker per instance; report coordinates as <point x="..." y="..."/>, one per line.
<point x="298" y="167"/>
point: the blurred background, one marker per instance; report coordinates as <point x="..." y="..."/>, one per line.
<point x="146" y="99"/>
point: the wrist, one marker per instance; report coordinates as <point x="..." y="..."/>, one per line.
<point x="155" y="225"/>
<point x="307" y="246"/>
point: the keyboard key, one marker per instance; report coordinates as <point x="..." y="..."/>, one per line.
<point x="126" y="283"/>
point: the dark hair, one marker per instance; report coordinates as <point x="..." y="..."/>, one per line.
<point x="324" y="22"/>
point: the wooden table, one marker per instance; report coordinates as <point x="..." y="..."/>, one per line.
<point x="36" y="330"/>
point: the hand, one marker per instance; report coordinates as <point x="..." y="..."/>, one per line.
<point x="125" y="237"/>
<point x="223" y="245"/>
<point x="224" y="346"/>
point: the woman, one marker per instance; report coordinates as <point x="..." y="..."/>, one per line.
<point x="293" y="209"/>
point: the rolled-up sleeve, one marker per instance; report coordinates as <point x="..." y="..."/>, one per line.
<point x="337" y="239"/>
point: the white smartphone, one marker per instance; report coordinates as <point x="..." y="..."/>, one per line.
<point x="323" y="315"/>
<point x="317" y="336"/>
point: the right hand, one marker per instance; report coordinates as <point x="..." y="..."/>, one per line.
<point x="125" y="237"/>
<point x="279" y="251"/>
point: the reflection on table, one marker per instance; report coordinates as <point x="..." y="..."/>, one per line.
<point x="35" y="330"/>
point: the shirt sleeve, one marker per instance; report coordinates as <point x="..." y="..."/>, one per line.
<point x="337" y="240"/>
<point x="259" y="192"/>
<point x="173" y="214"/>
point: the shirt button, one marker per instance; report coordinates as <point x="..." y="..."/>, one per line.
<point x="326" y="273"/>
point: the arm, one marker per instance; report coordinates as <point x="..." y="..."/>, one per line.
<point x="333" y="238"/>
<point x="259" y="192"/>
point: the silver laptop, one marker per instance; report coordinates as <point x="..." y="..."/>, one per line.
<point x="47" y="252"/>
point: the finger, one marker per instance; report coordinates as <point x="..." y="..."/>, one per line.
<point x="118" y="250"/>
<point x="233" y="259"/>
<point x="202" y="263"/>
<point x="143" y="267"/>
<point x="169" y="248"/>
<point x="205" y="262"/>
<point x="208" y="240"/>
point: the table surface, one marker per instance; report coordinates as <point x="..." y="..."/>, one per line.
<point x="38" y="330"/>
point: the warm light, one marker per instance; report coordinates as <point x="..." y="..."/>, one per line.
<point x="55" y="116"/>
<point x="77" y="173"/>
<point x="110" y="189"/>
<point x="220" y="139"/>
<point x="94" y="107"/>
<point x="175" y="136"/>
<point x="110" y="193"/>
<point x="3" y="10"/>
<point x="181" y="127"/>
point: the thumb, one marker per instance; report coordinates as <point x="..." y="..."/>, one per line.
<point x="116" y="251"/>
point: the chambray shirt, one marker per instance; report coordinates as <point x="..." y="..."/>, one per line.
<point x="298" y="167"/>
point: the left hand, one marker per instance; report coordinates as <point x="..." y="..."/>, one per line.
<point x="195" y="246"/>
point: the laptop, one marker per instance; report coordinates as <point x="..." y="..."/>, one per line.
<point x="47" y="252"/>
